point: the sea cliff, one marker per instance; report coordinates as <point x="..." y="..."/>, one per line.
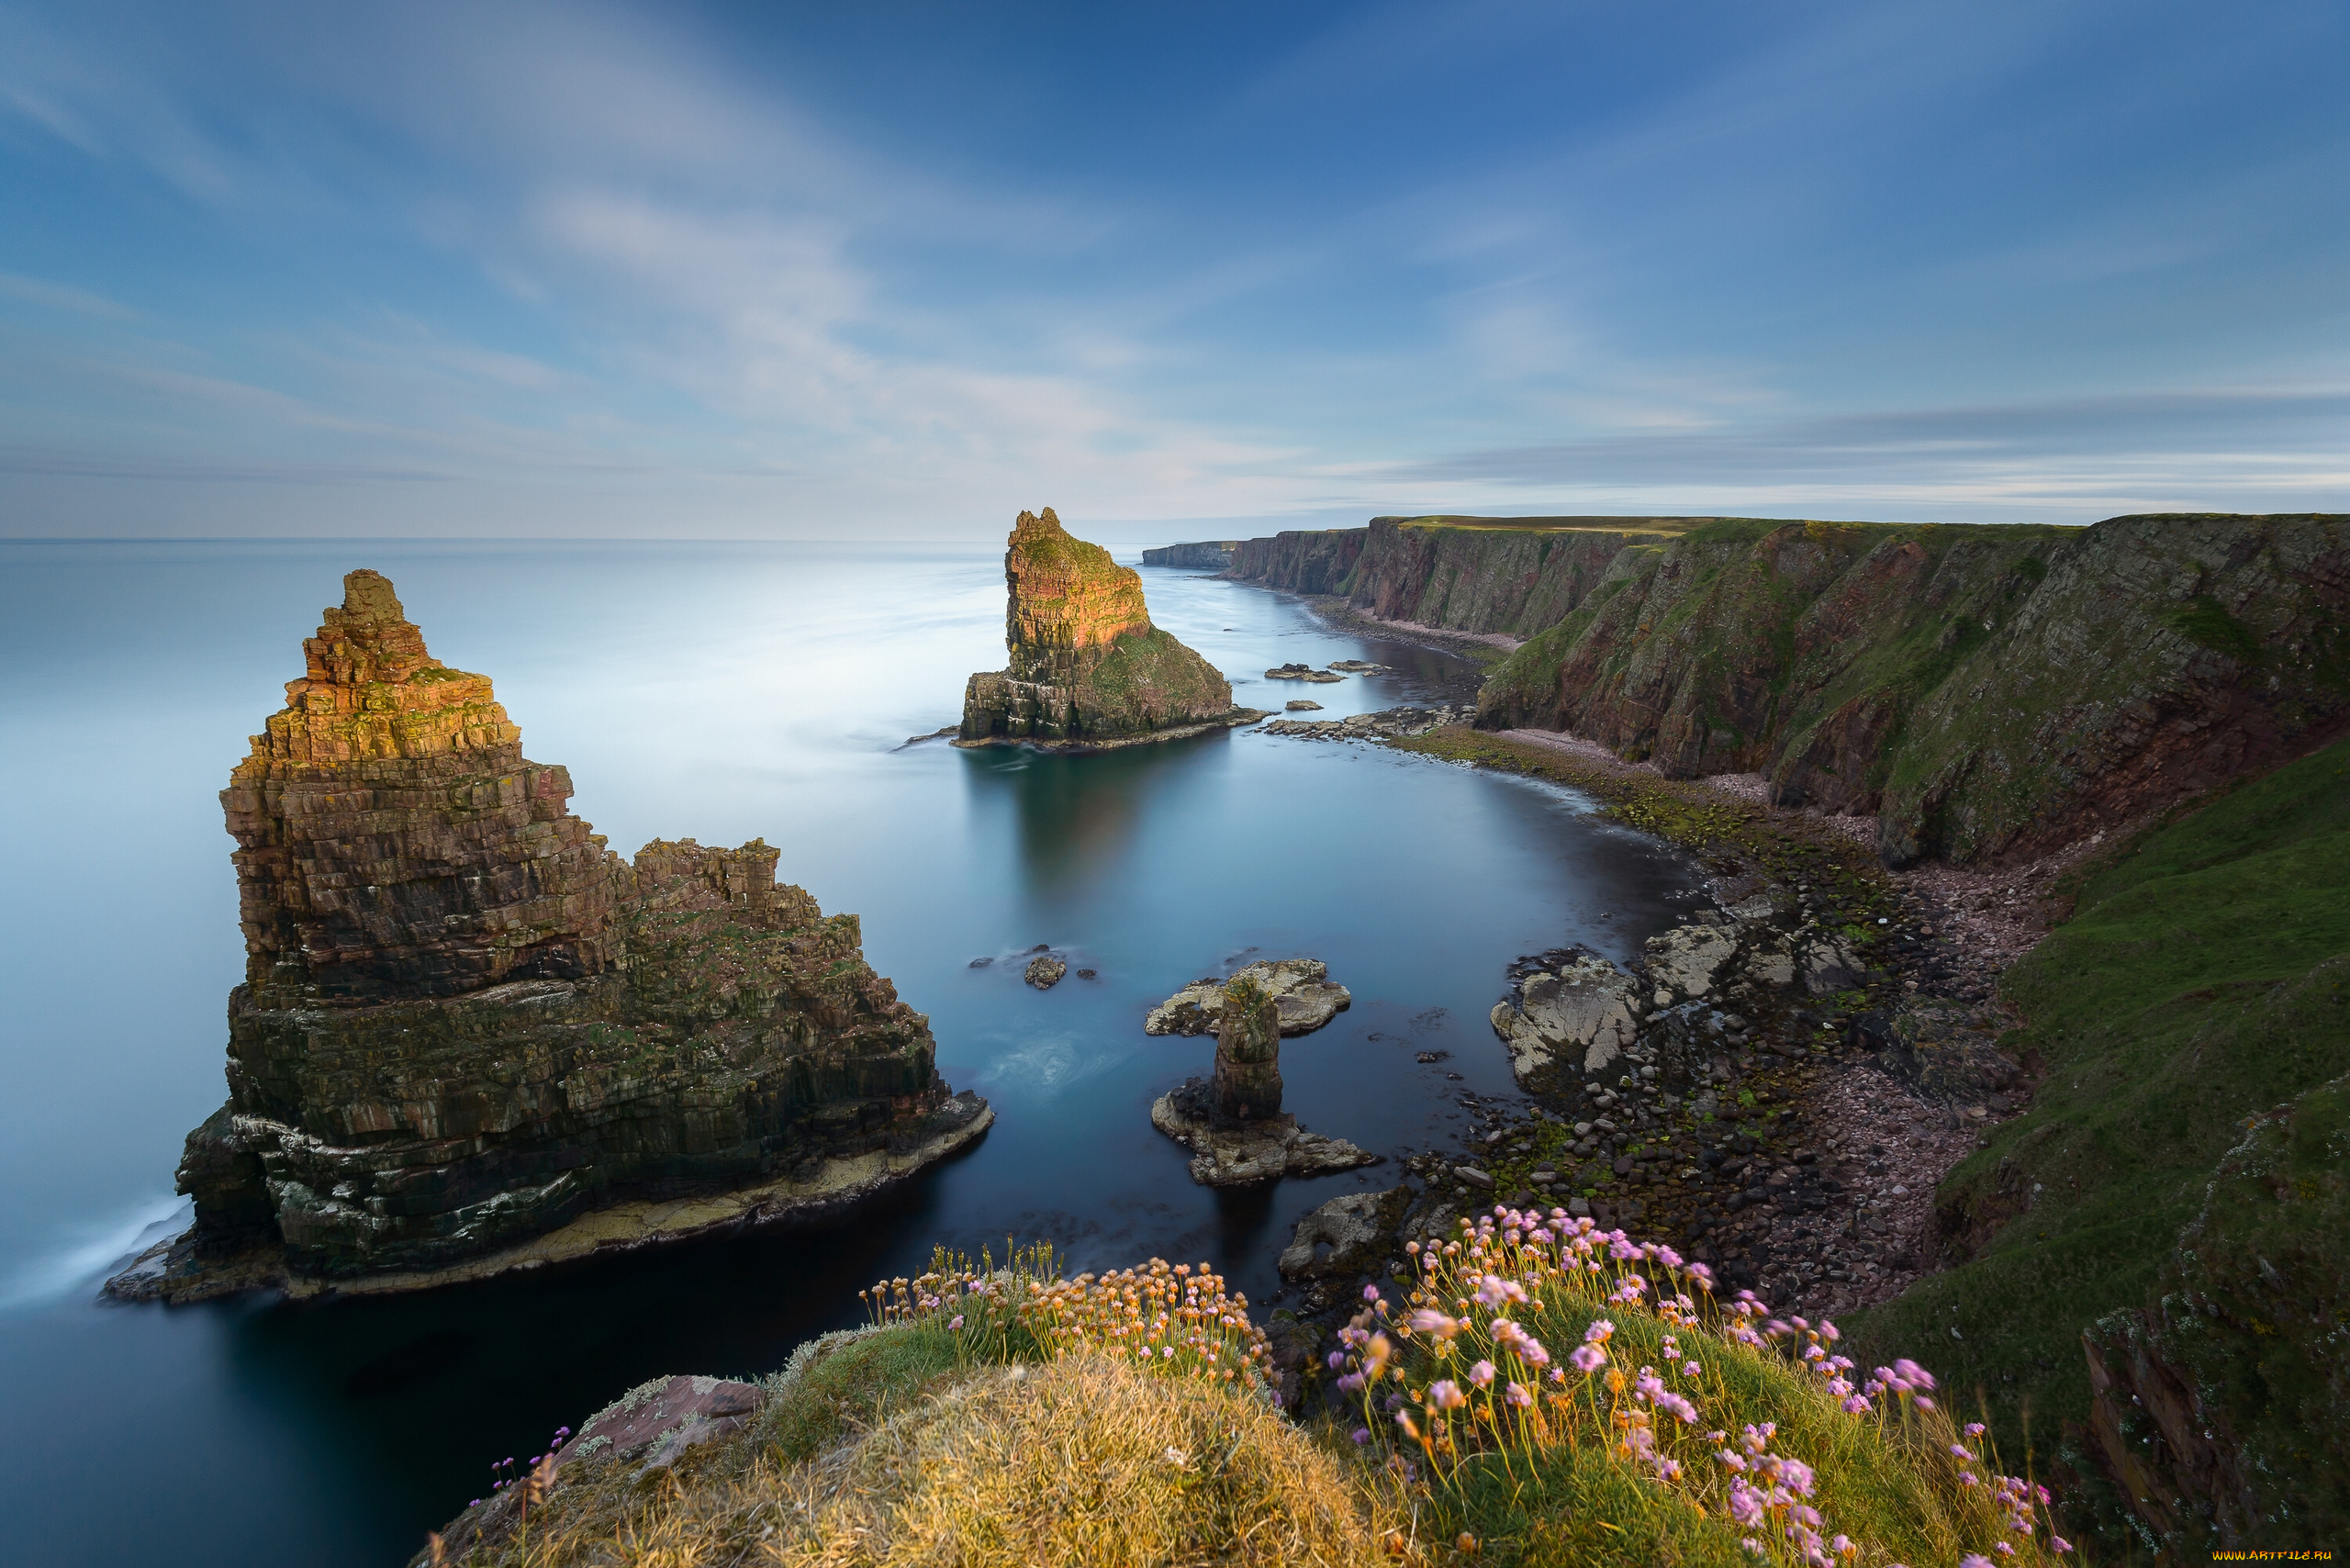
<point x="471" y="1037"/>
<point x="1984" y="691"/>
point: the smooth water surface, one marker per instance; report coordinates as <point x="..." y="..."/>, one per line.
<point x="720" y="693"/>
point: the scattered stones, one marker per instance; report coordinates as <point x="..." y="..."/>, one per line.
<point x="1300" y="990"/>
<point x="1044" y="972"/>
<point x="1387" y="724"/>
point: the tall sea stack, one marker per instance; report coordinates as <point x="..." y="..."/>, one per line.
<point x="1088" y="668"/>
<point x="472" y="1038"/>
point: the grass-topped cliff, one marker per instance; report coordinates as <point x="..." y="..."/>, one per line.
<point x="1984" y="691"/>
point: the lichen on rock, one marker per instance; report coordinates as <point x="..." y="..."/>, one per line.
<point x="1088" y="668"/>
<point x="467" y="1026"/>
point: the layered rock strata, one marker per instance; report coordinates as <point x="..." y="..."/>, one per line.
<point x="1088" y="668"/>
<point x="472" y="1037"/>
<point x="1303" y="996"/>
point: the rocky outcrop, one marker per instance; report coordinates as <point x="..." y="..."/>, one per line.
<point x="1346" y="1237"/>
<point x="1235" y="1154"/>
<point x="1574" y="1017"/>
<point x="1587" y="1013"/>
<point x="1206" y="556"/>
<point x="1088" y="668"/>
<point x="1302" y="672"/>
<point x="1388" y="724"/>
<point x="1303" y="995"/>
<point x="471" y="1037"/>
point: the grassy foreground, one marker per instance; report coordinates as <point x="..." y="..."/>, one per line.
<point x="1547" y="1394"/>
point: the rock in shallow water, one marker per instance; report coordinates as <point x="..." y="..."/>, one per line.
<point x="1258" y="1152"/>
<point x="469" y="1033"/>
<point x="1044" y="972"/>
<point x="1300" y="990"/>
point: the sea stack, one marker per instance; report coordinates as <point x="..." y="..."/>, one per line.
<point x="1248" y="1081"/>
<point x="1088" y="668"/>
<point x="472" y="1038"/>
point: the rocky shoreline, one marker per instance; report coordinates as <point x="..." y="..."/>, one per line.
<point x="1775" y="1089"/>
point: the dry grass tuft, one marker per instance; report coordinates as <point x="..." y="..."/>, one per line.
<point x="1083" y="1462"/>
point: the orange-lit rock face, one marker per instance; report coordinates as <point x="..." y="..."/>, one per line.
<point x="392" y="841"/>
<point x="1087" y="666"/>
<point x="371" y="690"/>
<point x="1067" y="595"/>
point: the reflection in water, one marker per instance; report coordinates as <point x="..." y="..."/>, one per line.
<point x="1077" y="815"/>
<point x="339" y="1432"/>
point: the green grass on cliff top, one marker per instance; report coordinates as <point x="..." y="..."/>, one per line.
<point x="2202" y="980"/>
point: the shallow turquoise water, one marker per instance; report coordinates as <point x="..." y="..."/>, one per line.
<point x="719" y="692"/>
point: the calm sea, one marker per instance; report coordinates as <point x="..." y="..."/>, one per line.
<point x="720" y="693"/>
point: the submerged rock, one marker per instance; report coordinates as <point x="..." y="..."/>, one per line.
<point x="1301" y="993"/>
<point x="1088" y="668"/>
<point x="472" y="1038"/>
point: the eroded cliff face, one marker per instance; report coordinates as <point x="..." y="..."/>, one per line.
<point x="466" y="1021"/>
<point x="1087" y="666"/>
<point x="1982" y="690"/>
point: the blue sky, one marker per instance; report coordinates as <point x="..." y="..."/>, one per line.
<point x="898" y="271"/>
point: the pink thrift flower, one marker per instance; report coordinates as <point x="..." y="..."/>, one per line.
<point x="1482" y="1374"/>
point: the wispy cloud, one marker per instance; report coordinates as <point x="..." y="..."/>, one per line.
<point x="1461" y="258"/>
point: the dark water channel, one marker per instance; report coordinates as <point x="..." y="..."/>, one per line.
<point x="719" y="692"/>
